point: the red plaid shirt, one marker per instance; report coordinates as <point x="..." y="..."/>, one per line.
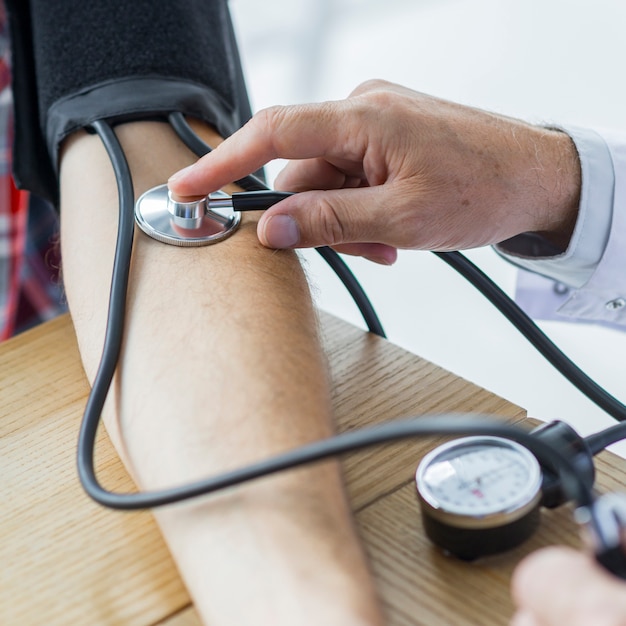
<point x="30" y="290"/>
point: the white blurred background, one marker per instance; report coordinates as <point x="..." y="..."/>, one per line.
<point x="541" y="60"/>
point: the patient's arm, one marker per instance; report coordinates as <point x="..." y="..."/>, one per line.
<point x="221" y="365"/>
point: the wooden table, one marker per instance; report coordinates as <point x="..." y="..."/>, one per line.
<point x="65" y="560"/>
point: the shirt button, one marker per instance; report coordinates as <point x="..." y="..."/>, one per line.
<point x="615" y="305"/>
<point x="560" y="289"/>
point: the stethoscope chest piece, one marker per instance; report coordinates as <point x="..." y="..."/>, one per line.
<point x="183" y="224"/>
<point x="479" y="495"/>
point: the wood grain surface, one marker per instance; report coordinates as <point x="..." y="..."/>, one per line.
<point x="66" y="561"/>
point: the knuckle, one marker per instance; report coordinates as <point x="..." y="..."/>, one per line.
<point x="411" y="221"/>
<point x="384" y="100"/>
<point x="370" y="85"/>
<point x="330" y="226"/>
<point x="271" y="121"/>
<point x="271" y="117"/>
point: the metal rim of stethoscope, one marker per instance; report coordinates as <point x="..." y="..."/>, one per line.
<point x="183" y="223"/>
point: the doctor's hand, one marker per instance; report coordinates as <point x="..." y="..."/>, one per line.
<point x="560" y="586"/>
<point x="391" y="168"/>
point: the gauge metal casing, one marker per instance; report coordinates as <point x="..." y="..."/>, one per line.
<point x="479" y="495"/>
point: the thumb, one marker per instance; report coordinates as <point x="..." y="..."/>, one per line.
<point x="325" y="218"/>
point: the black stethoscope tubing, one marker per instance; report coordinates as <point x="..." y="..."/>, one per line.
<point x="391" y="431"/>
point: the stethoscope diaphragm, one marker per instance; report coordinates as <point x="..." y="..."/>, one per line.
<point x="184" y="224"/>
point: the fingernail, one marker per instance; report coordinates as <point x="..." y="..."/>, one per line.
<point x="181" y="173"/>
<point x="281" y="231"/>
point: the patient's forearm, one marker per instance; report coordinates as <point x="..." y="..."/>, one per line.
<point x="221" y="366"/>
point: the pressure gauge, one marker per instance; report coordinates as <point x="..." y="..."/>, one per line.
<point x="479" y="495"/>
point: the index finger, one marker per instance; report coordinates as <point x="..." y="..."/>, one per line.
<point x="287" y="132"/>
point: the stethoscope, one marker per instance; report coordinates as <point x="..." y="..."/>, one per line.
<point x="478" y="494"/>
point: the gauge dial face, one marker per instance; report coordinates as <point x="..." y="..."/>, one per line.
<point x="479" y="476"/>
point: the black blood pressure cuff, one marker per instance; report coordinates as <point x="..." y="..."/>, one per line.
<point x="76" y="61"/>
